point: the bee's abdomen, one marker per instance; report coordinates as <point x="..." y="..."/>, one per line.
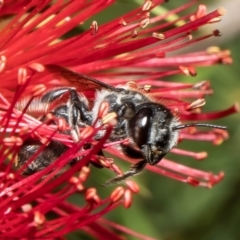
<point x="42" y="158"/>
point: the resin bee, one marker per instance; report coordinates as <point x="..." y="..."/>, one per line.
<point x="151" y="127"/>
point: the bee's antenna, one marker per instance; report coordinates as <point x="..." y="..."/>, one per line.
<point x="198" y="125"/>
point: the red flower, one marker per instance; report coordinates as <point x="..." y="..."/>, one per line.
<point x="132" y="47"/>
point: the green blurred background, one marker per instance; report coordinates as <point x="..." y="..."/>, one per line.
<point x="167" y="209"/>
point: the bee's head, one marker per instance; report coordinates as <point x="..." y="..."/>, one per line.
<point x="152" y="130"/>
<point x="155" y="130"/>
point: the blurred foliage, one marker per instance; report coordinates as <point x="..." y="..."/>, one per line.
<point x="166" y="209"/>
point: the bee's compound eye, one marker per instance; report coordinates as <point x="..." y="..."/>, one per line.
<point x="140" y="126"/>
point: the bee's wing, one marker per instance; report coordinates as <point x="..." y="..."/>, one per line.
<point x="80" y="80"/>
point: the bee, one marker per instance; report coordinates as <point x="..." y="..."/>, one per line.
<point x="151" y="127"/>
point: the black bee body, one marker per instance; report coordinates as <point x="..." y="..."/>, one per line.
<point x="150" y="126"/>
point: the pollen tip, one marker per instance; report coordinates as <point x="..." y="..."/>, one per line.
<point x="127" y="198"/>
<point x="221" y="11"/>
<point x="236" y="107"/>
<point x="213" y="49"/>
<point x="117" y="194"/>
<point x="110" y="118"/>
<point x="39" y="218"/>
<point x="196" y="104"/>
<point x="201" y="85"/>
<point x="147" y="5"/>
<point x="144" y="23"/>
<point x="26" y="207"/>
<point x="201" y="155"/>
<point x="3" y="61"/>
<point x="221" y="175"/>
<point x="131" y="84"/>
<point x="134" y="33"/>
<point x="133" y="186"/>
<point x="86" y="132"/>
<point x="123" y="22"/>
<point x="22" y="76"/>
<point x="11" y="176"/>
<point x="79" y="187"/>
<point x="90" y="193"/>
<point x="38" y="90"/>
<point x="159" y="36"/>
<point x="94" y="27"/>
<point x="36" y="67"/>
<point x="73" y="180"/>
<point x="209" y="185"/>
<point x="218" y="141"/>
<point x="84" y="173"/>
<point x="8" y="210"/>
<point x="103" y="109"/>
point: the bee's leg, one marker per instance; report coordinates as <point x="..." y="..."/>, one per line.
<point x="135" y="169"/>
<point x="127" y="110"/>
<point x="75" y="111"/>
<point x="78" y="113"/>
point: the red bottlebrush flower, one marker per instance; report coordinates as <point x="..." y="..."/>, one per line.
<point x="12" y="7"/>
<point x="132" y="47"/>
